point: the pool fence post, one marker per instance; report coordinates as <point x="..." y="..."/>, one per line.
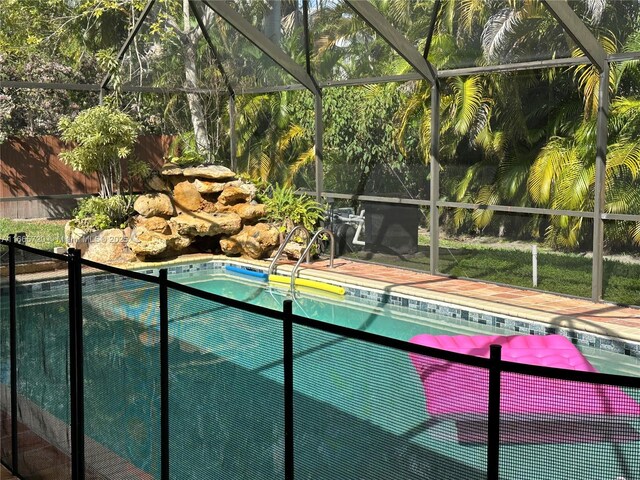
<point x="13" y="354"/>
<point x="493" y="420"/>
<point x="76" y="359"/>
<point x="72" y="360"/>
<point x="534" y="265"/>
<point x="164" y="375"/>
<point x="287" y="358"/>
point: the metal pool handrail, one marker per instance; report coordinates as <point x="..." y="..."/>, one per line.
<point x="307" y="251"/>
<point x="273" y="265"/>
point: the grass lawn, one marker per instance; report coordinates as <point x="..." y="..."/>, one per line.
<point x="561" y="273"/>
<point x="43" y="234"/>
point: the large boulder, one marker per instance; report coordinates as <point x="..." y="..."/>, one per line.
<point x="232" y="195"/>
<point x="214" y="172"/>
<point x="250" y="189"/>
<point x="105" y="246"/>
<point x="249" y="212"/>
<point x="72" y="233"/>
<point x="147" y="243"/>
<point x="177" y="242"/>
<point x="155" y="224"/>
<point x="154" y="204"/>
<point x="230" y="246"/>
<point x="186" y="196"/>
<point x="206" y="224"/>
<point x="210" y="186"/>
<point x="169" y="169"/>
<point x="257" y="241"/>
<point x="210" y="207"/>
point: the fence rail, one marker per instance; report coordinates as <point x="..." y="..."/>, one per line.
<point x="471" y="426"/>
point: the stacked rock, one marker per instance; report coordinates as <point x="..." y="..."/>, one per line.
<point x="202" y="208"/>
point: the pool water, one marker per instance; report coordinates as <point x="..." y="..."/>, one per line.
<point x="359" y="408"/>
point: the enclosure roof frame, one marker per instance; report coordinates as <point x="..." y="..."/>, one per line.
<point x="594" y="53"/>
<point x="576" y="29"/>
<point x="132" y="35"/>
<point x="263" y="43"/>
<point x="394" y="38"/>
<point x="212" y="48"/>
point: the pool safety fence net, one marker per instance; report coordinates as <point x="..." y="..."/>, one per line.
<point x="559" y="427"/>
<point x="38" y="443"/>
<point x="115" y="374"/>
<point x="121" y="360"/>
<point x="225" y="391"/>
<point x="359" y="412"/>
<point x="6" y="438"/>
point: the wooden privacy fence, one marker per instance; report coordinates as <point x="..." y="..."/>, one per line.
<point x="35" y="183"/>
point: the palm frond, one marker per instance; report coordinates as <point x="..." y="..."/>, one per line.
<point x="498" y="31"/>
<point x="487" y="195"/>
<point x="468" y="93"/>
<point x="547" y="168"/>
<point x="304" y="159"/>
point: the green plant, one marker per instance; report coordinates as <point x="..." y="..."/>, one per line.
<point x="263" y="189"/>
<point x="183" y="151"/>
<point x="288" y="209"/>
<point x="96" y="213"/>
<point x="103" y="139"/>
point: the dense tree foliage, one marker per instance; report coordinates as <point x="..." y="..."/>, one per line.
<point x="525" y="139"/>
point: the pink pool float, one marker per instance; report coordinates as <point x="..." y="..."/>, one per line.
<point x="533" y="409"/>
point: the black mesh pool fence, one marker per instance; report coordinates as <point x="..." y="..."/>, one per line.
<point x="36" y="407"/>
<point x="6" y="363"/>
<point x="125" y="375"/>
<point x="121" y="375"/>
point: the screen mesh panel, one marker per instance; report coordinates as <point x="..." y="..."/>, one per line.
<point x="344" y="46"/>
<point x="121" y="376"/>
<point x="5" y="368"/>
<point x="280" y="22"/>
<point x="42" y="355"/>
<point x="360" y="411"/>
<point x="621" y="279"/>
<point x="553" y="429"/>
<point x="493" y="33"/>
<point x="226" y="391"/>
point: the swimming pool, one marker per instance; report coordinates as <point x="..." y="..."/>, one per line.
<point x="359" y="407"/>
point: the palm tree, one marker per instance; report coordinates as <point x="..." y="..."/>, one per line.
<point x="269" y="141"/>
<point x="563" y="174"/>
<point x="520" y="155"/>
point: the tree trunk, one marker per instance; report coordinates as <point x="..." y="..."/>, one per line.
<point x="272" y="21"/>
<point x="365" y="173"/>
<point x="104" y="178"/>
<point x="190" y="72"/>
